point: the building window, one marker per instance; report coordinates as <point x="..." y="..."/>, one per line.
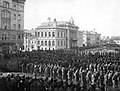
<point x="45" y="34"/>
<point x="6" y="4"/>
<point x="32" y="46"/>
<point x="14" y="26"/>
<point x="38" y="42"/>
<point x="58" y="34"/>
<point x="45" y="43"/>
<point x="64" y="43"/>
<point x="64" y="34"/>
<point x="53" y="34"/>
<point x="41" y="34"/>
<point x="61" y="43"/>
<point x="19" y="17"/>
<point x="19" y="27"/>
<point x="18" y="36"/>
<point x="42" y="43"/>
<point x="5" y="36"/>
<point x="38" y="34"/>
<point x="49" y="34"/>
<point x="58" y="43"/>
<point x="53" y="43"/>
<point x="38" y="47"/>
<point x="5" y="19"/>
<point x="14" y="36"/>
<point x="49" y="43"/>
<point x="14" y="6"/>
<point x="61" y="34"/>
<point x="14" y="17"/>
<point x="35" y="33"/>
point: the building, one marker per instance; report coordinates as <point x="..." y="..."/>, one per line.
<point x="30" y="40"/>
<point x="91" y="38"/>
<point x="11" y="25"/>
<point x="81" y="39"/>
<point x="55" y="34"/>
<point x="116" y="39"/>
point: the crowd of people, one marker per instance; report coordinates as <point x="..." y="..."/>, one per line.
<point x="61" y="70"/>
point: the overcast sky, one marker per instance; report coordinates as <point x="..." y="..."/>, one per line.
<point x="103" y="15"/>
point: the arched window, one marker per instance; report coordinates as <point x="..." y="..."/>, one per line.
<point x="41" y="34"/>
<point x="53" y="43"/>
<point x="6" y="4"/>
<point x="45" y="43"/>
<point x="42" y="43"/>
<point x="53" y="34"/>
<point x="14" y="17"/>
<point x="19" y="27"/>
<point x="5" y="36"/>
<point x="49" y="34"/>
<point x="5" y="19"/>
<point x="45" y="34"/>
<point x="49" y="43"/>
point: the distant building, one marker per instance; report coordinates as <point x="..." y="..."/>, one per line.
<point x="81" y="39"/>
<point x="91" y="38"/>
<point x="30" y="41"/>
<point x="11" y="25"/>
<point x="116" y="39"/>
<point x="55" y="34"/>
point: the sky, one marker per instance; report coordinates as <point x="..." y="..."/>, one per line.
<point x="101" y="15"/>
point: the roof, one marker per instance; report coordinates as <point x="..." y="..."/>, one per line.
<point x="56" y="24"/>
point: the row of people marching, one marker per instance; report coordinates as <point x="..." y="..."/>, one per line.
<point x="99" y="75"/>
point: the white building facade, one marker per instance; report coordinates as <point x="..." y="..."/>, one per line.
<point x="56" y="35"/>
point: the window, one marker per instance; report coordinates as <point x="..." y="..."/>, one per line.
<point x="14" y="36"/>
<point x="14" y="6"/>
<point x="19" y="27"/>
<point x="18" y="36"/>
<point x="61" y="34"/>
<point x="64" y="34"/>
<point x="19" y="17"/>
<point x="45" y="43"/>
<point x="5" y="36"/>
<point x="14" y="17"/>
<point x="53" y="43"/>
<point x="49" y="34"/>
<point x="42" y="43"/>
<point x="38" y="42"/>
<point x="6" y="19"/>
<point x="14" y="26"/>
<point x="45" y="34"/>
<point x="41" y="34"/>
<point x="64" y="43"/>
<point x="32" y="46"/>
<point x="61" y="43"/>
<point x="38" y="47"/>
<point x="38" y="34"/>
<point x="35" y="33"/>
<point x="6" y="4"/>
<point x="53" y="34"/>
<point x="58" y="43"/>
<point x="49" y="43"/>
<point x="58" y="34"/>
